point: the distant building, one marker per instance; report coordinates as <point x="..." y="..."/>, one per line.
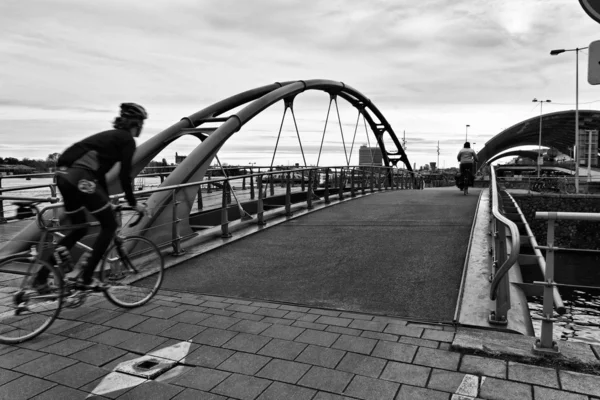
<point x="178" y="158"/>
<point x="15" y="169"/>
<point x="370" y="156"/>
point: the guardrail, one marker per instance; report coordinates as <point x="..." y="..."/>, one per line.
<point x="502" y="261"/>
<point x="545" y="344"/>
<point x="329" y="181"/>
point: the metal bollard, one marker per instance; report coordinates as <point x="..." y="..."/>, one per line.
<point x="259" y="204"/>
<point x="224" y="217"/>
<point x="288" y="195"/>
<point x="176" y="242"/>
<point x="327" y="186"/>
<point x="309" y="191"/>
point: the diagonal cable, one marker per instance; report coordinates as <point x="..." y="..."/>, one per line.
<point x="298" y="134"/>
<point x="341" y="131"/>
<point x="324" y="130"/>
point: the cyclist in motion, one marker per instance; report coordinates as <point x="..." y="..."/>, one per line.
<point x="80" y="177"/>
<point x="467" y="158"/>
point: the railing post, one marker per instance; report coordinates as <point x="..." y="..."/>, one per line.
<point x="379" y="179"/>
<point x="372" y="180"/>
<point x="352" y="192"/>
<point x="327" y="186"/>
<point x="259" y="204"/>
<point x="272" y="185"/>
<point x="302" y="178"/>
<point x="251" y="186"/>
<point x="309" y="191"/>
<point x="228" y="191"/>
<point x="500" y="315"/>
<point x="208" y="186"/>
<point x="362" y="181"/>
<point x="244" y="183"/>
<point x="224" y="217"/>
<point x="176" y="243"/>
<point x="288" y="195"/>
<point x="200" y="205"/>
<point x="545" y="344"/>
<point x="2" y="219"/>
<point x="342" y="184"/>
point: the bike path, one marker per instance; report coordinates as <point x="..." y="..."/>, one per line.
<point x="397" y="253"/>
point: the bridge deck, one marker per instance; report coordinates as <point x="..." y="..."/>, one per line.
<point x="396" y="253"/>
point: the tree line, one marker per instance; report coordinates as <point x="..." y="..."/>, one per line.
<point x="40" y="165"/>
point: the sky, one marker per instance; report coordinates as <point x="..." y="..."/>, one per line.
<point x="431" y="67"/>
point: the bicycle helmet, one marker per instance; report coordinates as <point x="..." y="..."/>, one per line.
<point x="133" y="111"/>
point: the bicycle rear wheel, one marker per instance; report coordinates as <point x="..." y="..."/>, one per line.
<point x="25" y="311"/>
<point x="128" y="261"/>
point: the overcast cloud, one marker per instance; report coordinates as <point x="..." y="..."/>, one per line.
<point x="431" y="67"/>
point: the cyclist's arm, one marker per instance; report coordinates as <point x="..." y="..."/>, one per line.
<point x="475" y="159"/>
<point x="125" y="175"/>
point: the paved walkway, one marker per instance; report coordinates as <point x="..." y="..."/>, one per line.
<point x="222" y="348"/>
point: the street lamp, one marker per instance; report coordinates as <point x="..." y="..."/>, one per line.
<point x="540" y="139"/>
<point x="576" y="149"/>
<point x="466" y="131"/>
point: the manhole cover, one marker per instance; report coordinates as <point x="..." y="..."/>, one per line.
<point x="148" y="367"/>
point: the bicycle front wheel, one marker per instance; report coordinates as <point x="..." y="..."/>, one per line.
<point x="133" y="267"/>
<point x="26" y="310"/>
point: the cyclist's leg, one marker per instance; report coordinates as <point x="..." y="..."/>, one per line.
<point x="98" y="203"/>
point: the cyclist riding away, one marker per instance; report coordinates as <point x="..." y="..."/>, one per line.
<point x="467" y="158"/>
<point x="80" y="177"/>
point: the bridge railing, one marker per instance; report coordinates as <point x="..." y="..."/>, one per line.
<point x="505" y="253"/>
<point x="262" y="194"/>
<point x="546" y="344"/>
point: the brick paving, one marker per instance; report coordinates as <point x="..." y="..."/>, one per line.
<point x="238" y="349"/>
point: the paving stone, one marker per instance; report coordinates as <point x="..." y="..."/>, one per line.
<point x="253" y="327"/>
<point x="355" y="344"/>
<point x="419" y="342"/>
<point x="201" y="378"/>
<point x="213" y="336"/>
<point x="285" y="349"/>
<point x="532" y="374"/>
<point x="39" y="342"/>
<point x="61" y="325"/>
<point x="18" y="357"/>
<point x="193" y="394"/>
<point x="426" y="326"/>
<point x="380" y="336"/>
<point x="112" y="337"/>
<point x="446" y="381"/>
<point x="242" y="308"/>
<point x="580" y="383"/>
<point x="278" y="391"/>
<point x="361" y="365"/>
<point x="244" y="363"/>
<point x="403" y="330"/>
<point x="395" y="351"/>
<point x="310" y="325"/>
<point x="125" y="321"/>
<point x="270" y="312"/>
<point x="483" y="366"/>
<point x="182" y="331"/>
<point x="541" y="393"/>
<point x="343" y="331"/>
<point x="368" y="388"/>
<point x="85" y="331"/>
<point x="440" y="336"/>
<point x="414" y="375"/>
<point x="153" y="326"/>
<point x="215" y="304"/>
<point x="496" y="389"/>
<point x="7" y="375"/>
<point x="77" y="375"/>
<point x="62" y="393"/>
<point x="324" y="312"/>
<point x="390" y="320"/>
<point x="301" y="316"/>
<point x="46" y="365"/>
<point x="363" y="317"/>
<point x="276" y="321"/>
<point x="417" y="393"/>
<point x="250" y="317"/>
<point x="98" y="354"/>
<point x="294" y="308"/>
<point x="326" y="379"/>
<point x="376" y="326"/>
<point x="190" y="301"/>
<point x="264" y="304"/>
<point x="67" y="347"/>
<point x="143" y="309"/>
<point x="152" y="390"/>
<point x="330" y="396"/>
<point x="208" y="356"/>
<point x="142" y="343"/>
<point x="111" y="386"/>
<point x="445" y="346"/>
<point x="282" y="332"/>
<point x="164" y="312"/>
<point x="284" y="371"/>
<point x="219" y="311"/>
<point x="242" y="387"/>
<point x="100" y="316"/>
<point x="247" y="342"/>
<point x="318" y="338"/>
<point x="321" y="356"/>
<point x="219" y="321"/>
<point x="114" y="363"/>
<point x="24" y="387"/>
<point x="437" y="358"/>
<point x="190" y="317"/>
<point x="324" y="319"/>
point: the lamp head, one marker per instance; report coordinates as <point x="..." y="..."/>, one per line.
<point x="534" y="100"/>
<point x="556" y="52"/>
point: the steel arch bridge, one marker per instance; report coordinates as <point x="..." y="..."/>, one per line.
<point x="202" y="125"/>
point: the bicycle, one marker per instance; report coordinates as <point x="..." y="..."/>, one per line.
<point x="25" y="313"/>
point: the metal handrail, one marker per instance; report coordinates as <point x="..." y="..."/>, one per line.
<point x="515" y="239"/>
